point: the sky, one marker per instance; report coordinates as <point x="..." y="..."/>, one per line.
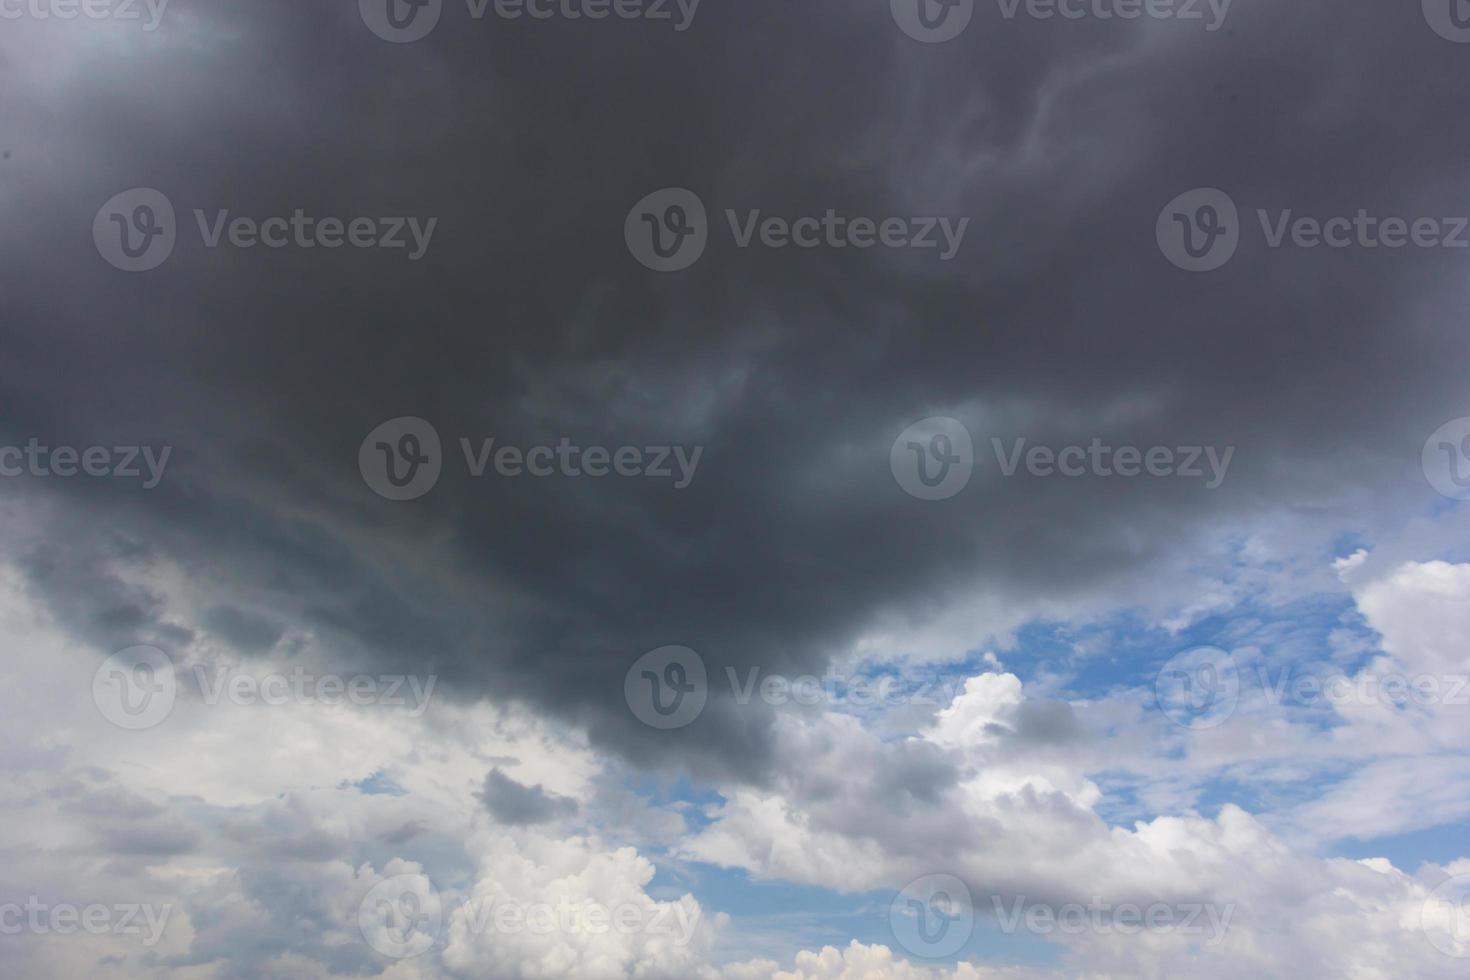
<point x="853" y="490"/>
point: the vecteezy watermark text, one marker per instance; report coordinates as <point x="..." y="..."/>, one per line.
<point x="137" y="230"/>
<point x="402" y="459"/>
<point x="405" y="21"/>
<point x="668" y="231"/>
<point x="137" y="688"/>
<point x="1122" y="918"/>
<point x="1099" y="459"/>
<point x="937" y="21"/>
<point x="1211" y="12"/>
<point x="1201" y="230"/>
<point x="123" y="462"/>
<point x="401" y="916"/>
<point x="88" y="9"/>
<point x="1364" y="688"/>
<point x="934" y="917"/>
<point x="668" y="688"/>
<point x="1202" y="687"/>
<point x="933" y="459"/>
<point x="66" y="919"/>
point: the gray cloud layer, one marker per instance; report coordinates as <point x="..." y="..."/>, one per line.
<point x="529" y="321"/>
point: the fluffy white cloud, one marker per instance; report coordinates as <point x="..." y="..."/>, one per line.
<point x="1019" y="819"/>
<point x="861" y="962"/>
<point x="544" y="908"/>
<point x="255" y="831"/>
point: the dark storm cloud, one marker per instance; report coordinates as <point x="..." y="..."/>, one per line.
<point x="512" y="803"/>
<point x="527" y="320"/>
<point x="1042" y="723"/>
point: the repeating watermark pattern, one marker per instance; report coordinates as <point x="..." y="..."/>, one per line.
<point x="66" y="919"/>
<point x="149" y="11"/>
<point x="405" y="21"/>
<point x="838" y="690"/>
<point x="674" y="920"/>
<point x="301" y="686"/>
<point x="676" y="463"/>
<point x="1450" y="19"/>
<point x="1210" y="13"/>
<point x="934" y="459"/>
<point x="932" y="21"/>
<point x="937" y="21"/>
<point x="1097" y="459"/>
<point x="135" y="688"/>
<point x="1100" y="917"/>
<point x="1445" y="917"/>
<point x="1198" y="688"/>
<point x="136" y="231"/>
<point x="402" y="916"/>
<point x="1446" y="459"/>
<point x="933" y="917"/>
<point x="145" y="463"/>
<point x="667" y="688"/>
<point x="1203" y="687"/>
<point x="669" y="230"/>
<point x="402" y="460"/>
<point x="1200" y="230"/>
<point x="1365" y="688"/>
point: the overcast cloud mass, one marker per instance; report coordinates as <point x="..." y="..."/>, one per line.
<point x="913" y="490"/>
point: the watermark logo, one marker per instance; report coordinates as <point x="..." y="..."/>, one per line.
<point x="1450" y="19"/>
<point x="1446" y="459"/>
<point x="300" y="686"/>
<point x="401" y="459"/>
<point x="65" y="919"/>
<point x="121" y="462"/>
<point x="1199" y="230"/>
<point x="1198" y="688"/>
<point x="401" y="21"/>
<point x="1124" y="919"/>
<point x="842" y="690"/>
<point x="676" y="921"/>
<point x="933" y="459"/>
<point x="1366" y="688"/>
<point x="1098" y="459"/>
<point x="400" y="917"/>
<point x="135" y="688"/>
<point x="135" y="231"/>
<point x="1180" y="10"/>
<point x="90" y="9"/>
<point x="667" y="688"/>
<point x="1445" y="917"/>
<point x="932" y="21"/>
<point x="933" y="917"/>
<point x="676" y="463"/>
<point x="668" y="230"/>
<point x="404" y="21"/>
